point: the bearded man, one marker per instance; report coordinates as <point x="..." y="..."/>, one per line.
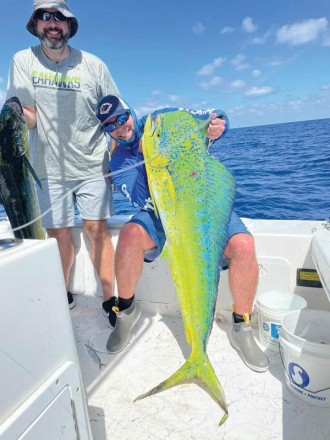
<point x="59" y="87"/>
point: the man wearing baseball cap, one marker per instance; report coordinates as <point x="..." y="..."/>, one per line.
<point x="59" y="87"/>
<point x="142" y="238"/>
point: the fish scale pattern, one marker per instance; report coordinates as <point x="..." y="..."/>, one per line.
<point x="193" y="194"/>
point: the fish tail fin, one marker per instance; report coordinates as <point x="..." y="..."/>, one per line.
<point x="199" y="369"/>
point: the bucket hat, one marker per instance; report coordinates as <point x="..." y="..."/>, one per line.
<point x="59" y="5"/>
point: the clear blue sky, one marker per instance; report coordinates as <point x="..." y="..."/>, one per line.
<point x="261" y="61"/>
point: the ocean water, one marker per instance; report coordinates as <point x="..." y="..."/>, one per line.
<point x="282" y="171"/>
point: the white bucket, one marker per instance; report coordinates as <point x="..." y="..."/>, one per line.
<point x="305" y="352"/>
<point x="272" y="307"/>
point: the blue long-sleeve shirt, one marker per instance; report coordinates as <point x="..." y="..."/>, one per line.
<point x="133" y="182"/>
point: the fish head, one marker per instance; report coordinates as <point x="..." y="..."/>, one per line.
<point x="153" y="145"/>
<point x="13" y="131"/>
<point x="167" y="136"/>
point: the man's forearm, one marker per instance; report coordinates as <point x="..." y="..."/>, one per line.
<point x="30" y="114"/>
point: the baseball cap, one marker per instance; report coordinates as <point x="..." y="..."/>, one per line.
<point x="61" y="6"/>
<point x="108" y="107"/>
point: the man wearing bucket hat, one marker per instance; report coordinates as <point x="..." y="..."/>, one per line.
<point x="59" y="87"/>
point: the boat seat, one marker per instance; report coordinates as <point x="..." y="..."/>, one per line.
<point x="321" y="257"/>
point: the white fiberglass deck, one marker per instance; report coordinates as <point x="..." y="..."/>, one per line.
<point x="260" y="405"/>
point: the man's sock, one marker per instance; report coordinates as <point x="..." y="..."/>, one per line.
<point x="114" y="305"/>
<point x="240" y="318"/>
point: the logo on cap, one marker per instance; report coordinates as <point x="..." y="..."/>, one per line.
<point x="105" y="108"/>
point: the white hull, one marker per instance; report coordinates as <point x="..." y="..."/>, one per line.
<point x="260" y="405"/>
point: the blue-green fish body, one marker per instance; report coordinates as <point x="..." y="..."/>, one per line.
<point x="17" y="177"/>
<point x="193" y="194"/>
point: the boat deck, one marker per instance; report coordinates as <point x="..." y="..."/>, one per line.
<point x="260" y="404"/>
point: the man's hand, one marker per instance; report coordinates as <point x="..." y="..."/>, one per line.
<point x="216" y="127"/>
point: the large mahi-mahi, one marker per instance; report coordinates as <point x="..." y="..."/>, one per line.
<point x="193" y="194"/>
<point x="17" y="177"/>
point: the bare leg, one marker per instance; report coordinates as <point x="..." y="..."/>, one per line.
<point x="66" y="248"/>
<point x="133" y="241"/>
<point x="102" y="253"/>
<point x="243" y="271"/>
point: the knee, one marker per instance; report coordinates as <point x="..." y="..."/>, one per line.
<point x="95" y="231"/>
<point x="130" y="235"/>
<point x="61" y="234"/>
<point x="241" y="246"/>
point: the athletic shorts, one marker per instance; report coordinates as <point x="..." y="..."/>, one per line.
<point x="57" y="201"/>
<point x="153" y="225"/>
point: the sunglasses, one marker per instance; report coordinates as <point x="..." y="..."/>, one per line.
<point x="120" y="120"/>
<point x="46" y="16"/>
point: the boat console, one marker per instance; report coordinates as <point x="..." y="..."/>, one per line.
<point x="321" y="257"/>
<point x="42" y="394"/>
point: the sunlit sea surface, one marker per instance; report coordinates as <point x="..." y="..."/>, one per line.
<point x="282" y="171"/>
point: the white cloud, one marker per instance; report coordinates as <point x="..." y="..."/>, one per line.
<point x="213" y="82"/>
<point x="227" y="30"/>
<point x="174" y="98"/>
<point x="151" y="104"/>
<point x="238" y="59"/>
<point x="292" y="108"/>
<point x="198" y="28"/>
<point x="237" y="84"/>
<point x="296" y="104"/>
<point x="259" y="91"/>
<point x="248" y="25"/>
<point x="260" y="40"/>
<point x="255" y="73"/>
<point x="273" y="63"/>
<point x="326" y="87"/>
<point x="239" y="62"/>
<point x="302" y="33"/>
<point x="209" y="69"/>
<point x="242" y="66"/>
<point x="324" y="95"/>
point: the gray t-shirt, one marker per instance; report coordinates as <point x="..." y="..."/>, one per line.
<point x="67" y="142"/>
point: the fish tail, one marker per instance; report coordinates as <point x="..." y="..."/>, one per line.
<point x="199" y="369"/>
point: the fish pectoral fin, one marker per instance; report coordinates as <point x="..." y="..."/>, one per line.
<point x="30" y="168"/>
<point x="167" y="197"/>
<point x="197" y="368"/>
<point x="170" y="188"/>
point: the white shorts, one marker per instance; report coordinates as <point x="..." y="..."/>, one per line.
<point x="57" y="199"/>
